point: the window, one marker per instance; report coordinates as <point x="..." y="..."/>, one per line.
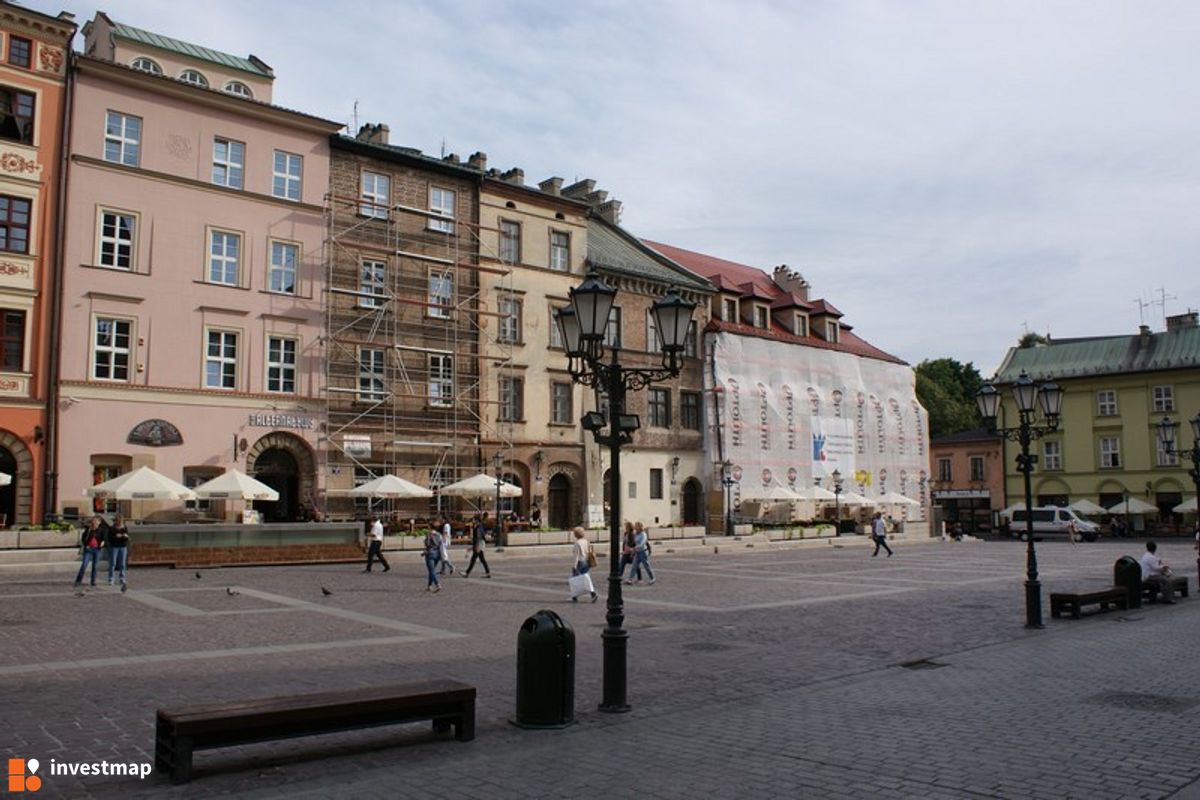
<point x="220" y="360"/>
<point x="441" y="202"/>
<point x="689" y="410"/>
<point x="376" y="195"/>
<point x="19" y="51"/>
<point x="193" y="477"/>
<point x="510" y="242"/>
<point x="193" y="77"/>
<point x="612" y="331"/>
<point x="1106" y="403"/>
<point x="945" y="472"/>
<point x="110" y="350"/>
<point x="285" y="176"/>
<point x="281" y="364"/>
<point x="144" y="64"/>
<point x="1052" y="455"/>
<point x="561" y="398"/>
<point x="632" y="490"/>
<point x="801" y="325"/>
<point x="223" y="257"/>
<point x="122" y="138"/>
<point x="1164" y="398"/>
<point x="1163" y="457"/>
<point x="14" y="224"/>
<point x="831" y="330"/>
<point x="729" y="309"/>
<point x="16" y="115"/>
<point x="560" y="251"/>
<point x="660" y="408"/>
<point x="116" y="240"/>
<point x="510" y="321"/>
<point x="656" y="484"/>
<point x="441" y="381"/>
<point x="370" y="374"/>
<point x="512" y="399"/>
<point x="691" y="342"/>
<point x="282" y="275"/>
<point x="12" y="340"/>
<point x="1110" y="451"/>
<point x="100" y="474"/>
<point x="239" y="88"/>
<point x="653" y="345"/>
<point x="556" y="340"/>
<point x="976" y="468"/>
<point x="760" y="317"/>
<point x="229" y="162"/>
<point x="372" y="280"/>
<point x="441" y="289"/>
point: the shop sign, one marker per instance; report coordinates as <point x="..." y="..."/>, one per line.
<point x="293" y="421"/>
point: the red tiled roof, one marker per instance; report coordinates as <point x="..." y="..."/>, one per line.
<point x="825" y="307"/>
<point x="790" y="300"/>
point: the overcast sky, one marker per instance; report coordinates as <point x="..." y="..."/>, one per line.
<point x="945" y="173"/>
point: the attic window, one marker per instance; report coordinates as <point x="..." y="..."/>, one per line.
<point x="144" y="64"/>
<point x="193" y="77"/>
<point x="762" y="316"/>
<point x="239" y="88"/>
<point x="729" y="309"/>
<point x="831" y="330"/>
<point x="800" y="328"/>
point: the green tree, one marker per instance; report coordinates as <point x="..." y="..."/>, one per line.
<point x="947" y="390"/>
<point x="1031" y="339"/>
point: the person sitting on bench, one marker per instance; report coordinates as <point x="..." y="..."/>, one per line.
<point x="1156" y="573"/>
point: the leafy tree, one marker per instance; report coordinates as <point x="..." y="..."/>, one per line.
<point x="1031" y="339"/>
<point x="947" y="390"/>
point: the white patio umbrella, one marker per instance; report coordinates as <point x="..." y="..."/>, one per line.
<point x="897" y="499"/>
<point x="5" y="479"/>
<point x="1087" y="507"/>
<point x="774" y="492"/>
<point x="141" y="484"/>
<point x="1186" y="507"/>
<point x="856" y="499"/>
<point x="480" y="486"/>
<point x="391" y="486"/>
<point x="815" y="493"/>
<point x="237" y="485"/>
<point x="1132" y="505"/>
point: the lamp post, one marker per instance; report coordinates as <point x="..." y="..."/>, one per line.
<point x="727" y="482"/>
<point x="1028" y="396"/>
<point x="498" y="462"/>
<point x="837" y="502"/>
<point x="583" y="325"/>
<point x="1166" y="437"/>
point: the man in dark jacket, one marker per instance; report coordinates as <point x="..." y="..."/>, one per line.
<point x="478" y="535"/>
<point x="91" y="539"/>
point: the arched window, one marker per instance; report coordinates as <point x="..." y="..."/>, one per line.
<point x="239" y="88"/>
<point x="146" y="65"/>
<point x="193" y="77"/>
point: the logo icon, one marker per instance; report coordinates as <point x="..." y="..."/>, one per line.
<point x="21" y="777"/>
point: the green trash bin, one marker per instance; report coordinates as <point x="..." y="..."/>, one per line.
<point x="545" y="672"/>
<point x="1127" y="574"/>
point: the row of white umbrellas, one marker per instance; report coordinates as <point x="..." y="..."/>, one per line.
<point x="1132" y="505"/>
<point x="820" y="494"/>
<point x="394" y="487"/>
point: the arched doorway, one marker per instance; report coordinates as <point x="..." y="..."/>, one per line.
<point x="510" y="505"/>
<point x="559" y="500"/>
<point x="16" y="499"/>
<point x="693" y="502"/>
<point x="285" y="463"/>
<point x="8" y="494"/>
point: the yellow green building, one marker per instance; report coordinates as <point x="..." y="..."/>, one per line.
<point x="1116" y="389"/>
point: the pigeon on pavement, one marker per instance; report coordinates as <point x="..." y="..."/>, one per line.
<point x="229" y="591"/>
<point x="198" y="575"/>
<point x="325" y="591"/>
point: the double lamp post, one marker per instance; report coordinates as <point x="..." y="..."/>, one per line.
<point x="1166" y="438"/>
<point x="583" y="325"/>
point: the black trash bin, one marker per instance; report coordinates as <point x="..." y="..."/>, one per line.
<point x="1127" y="573"/>
<point x="545" y="672"/>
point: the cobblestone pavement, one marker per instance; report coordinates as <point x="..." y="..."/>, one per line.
<point x="766" y="673"/>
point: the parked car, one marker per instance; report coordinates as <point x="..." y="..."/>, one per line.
<point x="1053" y="521"/>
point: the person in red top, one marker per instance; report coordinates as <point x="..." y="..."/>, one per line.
<point x="91" y="540"/>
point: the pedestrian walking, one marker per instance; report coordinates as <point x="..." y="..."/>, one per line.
<point x="447" y="533"/>
<point x="118" y="549"/>
<point x="91" y="539"/>
<point x="433" y="554"/>
<point x="478" y="535"/>
<point x="1071" y="531"/>
<point x="879" y="534"/>
<point x="584" y="559"/>
<point x="641" y="555"/>
<point x="375" y="545"/>
<point x="627" y="550"/>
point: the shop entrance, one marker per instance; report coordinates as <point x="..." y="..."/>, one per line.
<point x="8" y="493"/>
<point x="277" y="468"/>
<point x="693" y="502"/>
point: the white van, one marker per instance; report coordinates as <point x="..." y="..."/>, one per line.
<point x="1053" y="521"/>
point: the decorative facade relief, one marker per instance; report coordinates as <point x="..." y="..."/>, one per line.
<point x="50" y="59"/>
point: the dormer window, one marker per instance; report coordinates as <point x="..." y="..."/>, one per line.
<point x="762" y="316"/>
<point x="832" y="330"/>
<point x="729" y="309"/>
<point x="240" y="89"/>
<point x="143" y="64"/>
<point x="193" y="77"/>
<point x="800" y="324"/>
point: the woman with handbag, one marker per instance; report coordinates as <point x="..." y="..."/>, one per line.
<point x="584" y="559"/>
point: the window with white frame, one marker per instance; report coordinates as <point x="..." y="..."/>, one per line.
<point x="111" y="349"/>
<point x="801" y="325"/>
<point x="1106" y="403"/>
<point x="143" y="64"/>
<point x="1163" y="456"/>
<point x="284" y="260"/>
<point x="229" y="163"/>
<point x="224" y="254"/>
<point x="510" y="321"/>
<point x="612" y="331"/>
<point x="117" y="231"/>
<point x="12" y="339"/>
<point x="512" y="398"/>
<point x="660" y="408"/>
<point x="238" y="88"/>
<point x="286" y="172"/>
<point x="221" y="360"/>
<point x="18" y="110"/>
<point x="656" y="483"/>
<point x="510" y="242"/>
<point x="122" y="138"/>
<point x="441" y="294"/>
<point x="832" y="330"/>
<point x="20" y="51"/>
<point x="653" y="345"/>
<point x="1052" y="455"/>
<point x="976" y="466"/>
<point x="729" y="309"/>
<point x="945" y="470"/>
<point x="281" y="364"/>
<point x="370" y="374"/>
<point x="1110" y="451"/>
<point x="441" y="381"/>
<point x="691" y="342"/>
<point x="761" y="317"/>
<point x="14" y="223"/>
<point x="561" y="400"/>
<point x="555" y="332"/>
<point x="372" y="280"/>
<point x="376" y="195"/>
<point x="194" y="77"/>
<point x="1164" y="398"/>
<point x="560" y="251"/>
<point x="441" y="202"/>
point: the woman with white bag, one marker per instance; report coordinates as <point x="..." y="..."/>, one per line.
<point x="583" y="558"/>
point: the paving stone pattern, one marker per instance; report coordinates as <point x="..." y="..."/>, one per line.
<point x="764" y="673"/>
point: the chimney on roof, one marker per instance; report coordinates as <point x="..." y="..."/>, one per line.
<point x="1181" y="322"/>
<point x="477" y="160"/>
<point x="791" y="281"/>
<point x="579" y="189"/>
<point x="551" y="185"/>
<point x="373" y="134"/>
<point x="515" y="176"/>
<point x="1144" y="333"/>
<point x="610" y="210"/>
<point x="452" y="159"/>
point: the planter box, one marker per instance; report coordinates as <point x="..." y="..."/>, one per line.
<point x="522" y="539"/>
<point x="565" y="537"/>
<point x="39" y="539"/>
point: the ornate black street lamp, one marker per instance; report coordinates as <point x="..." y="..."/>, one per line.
<point x="727" y="481"/>
<point x="498" y="462"/>
<point x="583" y="325"/>
<point x="837" y="502"/>
<point x="1166" y="437"/>
<point x="1029" y="396"/>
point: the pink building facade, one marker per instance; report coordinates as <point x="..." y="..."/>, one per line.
<point x="193" y="277"/>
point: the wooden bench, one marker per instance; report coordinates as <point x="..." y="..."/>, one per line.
<point x="1150" y="592"/>
<point x="180" y="731"/>
<point x="1075" y="602"/>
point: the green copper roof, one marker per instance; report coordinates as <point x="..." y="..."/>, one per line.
<point x="191" y="50"/>
<point x="610" y="247"/>
<point x="1106" y="355"/>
